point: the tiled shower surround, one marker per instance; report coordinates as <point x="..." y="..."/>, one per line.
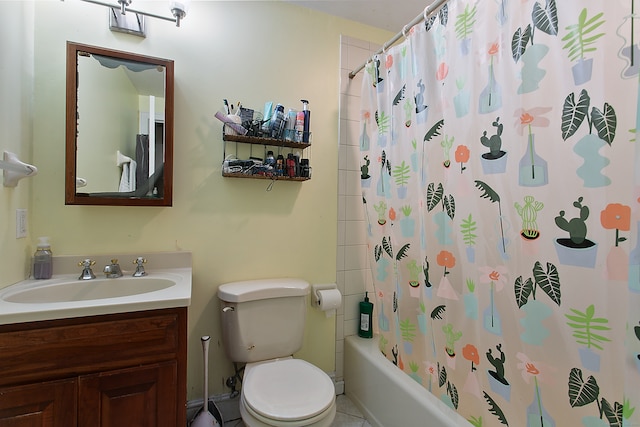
<point x="353" y="273"/>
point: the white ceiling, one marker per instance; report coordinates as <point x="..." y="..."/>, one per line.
<point x="391" y="15"/>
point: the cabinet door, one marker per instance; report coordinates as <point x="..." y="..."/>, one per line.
<point x="50" y="404"/>
<point x="138" y="397"/>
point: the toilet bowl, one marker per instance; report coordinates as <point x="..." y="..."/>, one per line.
<point x="263" y="326"/>
<point x="286" y="392"/>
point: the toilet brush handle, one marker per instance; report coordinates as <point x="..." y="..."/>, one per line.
<point x="205" y="351"/>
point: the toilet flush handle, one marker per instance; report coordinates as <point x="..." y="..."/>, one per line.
<point x="227" y="309"/>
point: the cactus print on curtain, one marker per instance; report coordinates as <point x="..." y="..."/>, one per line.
<point x="499" y="179"/>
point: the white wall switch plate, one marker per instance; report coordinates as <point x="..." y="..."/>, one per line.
<point x="21" y="223"/>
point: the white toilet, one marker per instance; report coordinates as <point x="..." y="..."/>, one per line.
<point x="263" y="325"/>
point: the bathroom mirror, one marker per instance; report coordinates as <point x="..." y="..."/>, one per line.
<point x="119" y="129"/>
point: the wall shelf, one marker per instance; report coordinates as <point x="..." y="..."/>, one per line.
<point x="275" y="177"/>
<point x="264" y="142"/>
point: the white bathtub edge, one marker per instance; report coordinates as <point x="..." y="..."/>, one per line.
<point x="386" y="395"/>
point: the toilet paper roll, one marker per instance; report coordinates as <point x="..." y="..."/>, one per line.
<point x="329" y="300"/>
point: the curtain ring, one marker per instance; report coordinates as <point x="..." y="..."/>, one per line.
<point x="425" y="14"/>
<point x="404" y="31"/>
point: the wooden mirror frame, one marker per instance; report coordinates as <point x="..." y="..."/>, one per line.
<point x="72" y="197"/>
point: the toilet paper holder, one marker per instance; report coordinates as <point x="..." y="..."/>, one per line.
<point x="316" y="288"/>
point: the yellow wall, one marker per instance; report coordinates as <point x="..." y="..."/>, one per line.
<point x="16" y="89"/>
<point x="244" y="51"/>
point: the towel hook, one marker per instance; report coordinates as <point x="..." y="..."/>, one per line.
<point x="15" y="170"/>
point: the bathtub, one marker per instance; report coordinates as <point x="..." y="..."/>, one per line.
<point x="387" y="396"/>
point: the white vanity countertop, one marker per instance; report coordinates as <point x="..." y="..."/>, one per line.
<point x="174" y="266"/>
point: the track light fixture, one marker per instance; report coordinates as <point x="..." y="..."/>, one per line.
<point x="178" y="9"/>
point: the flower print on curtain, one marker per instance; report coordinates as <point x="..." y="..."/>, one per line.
<point x="503" y="210"/>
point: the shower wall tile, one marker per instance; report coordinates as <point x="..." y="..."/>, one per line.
<point x="351" y="327"/>
<point x="340" y="363"/>
<point x="349" y="107"/>
<point x="353" y="208"/>
<point x="352" y="130"/>
<point x="340" y="327"/>
<point x="344" y="58"/>
<point x="352" y="161"/>
<point x="357" y="56"/>
<point x="342" y="208"/>
<point x="355" y="257"/>
<point x="342" y="233"/>
<point x="350" y="86"/>
<point x="351" y="306"/>
<point x="340" y="258"/>
<point x="353" y="274"/>
<point x="355" y="281"/>
<point x="355" y="233"/>
<point x="351" y="41"/>
<point x="343" y="182"/>
<point x="343" y="157"/>
<point x="340" y="282"/>
<point x="353" y="107"/>
<point x="344" y="131"/>
<point x="352" y="184"/>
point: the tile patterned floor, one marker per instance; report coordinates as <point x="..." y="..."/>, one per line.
<point x="347" y="415"/>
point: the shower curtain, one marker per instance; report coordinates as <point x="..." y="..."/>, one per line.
<point x="499" y="181"/>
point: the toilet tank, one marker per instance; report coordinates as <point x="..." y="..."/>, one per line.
<point x="263" y="319"/>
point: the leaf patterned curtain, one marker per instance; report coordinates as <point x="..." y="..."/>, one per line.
<point x="499" y="181"/>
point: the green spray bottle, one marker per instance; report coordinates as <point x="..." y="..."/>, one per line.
<point x="366" y="313"/>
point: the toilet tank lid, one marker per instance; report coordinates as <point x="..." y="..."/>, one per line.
<point x="249" y="290"/>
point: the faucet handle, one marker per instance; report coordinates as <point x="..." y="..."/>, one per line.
<point x="86" y="263"/>
<point x="140" y="260"/>
<point x="86" y="274"/>
<point x="139" y="267"/>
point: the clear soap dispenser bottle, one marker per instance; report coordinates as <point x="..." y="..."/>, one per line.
<point x="42" y="260"/>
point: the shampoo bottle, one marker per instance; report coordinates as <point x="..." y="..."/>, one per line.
<point x="307" y="121"/>
<point x="277" y="122"/>
<point x="366" y="312"/>
<point x="299" y="126"/>
<point x="42" y="260"/>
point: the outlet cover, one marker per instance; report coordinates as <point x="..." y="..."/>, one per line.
<point x="21" y="223"/>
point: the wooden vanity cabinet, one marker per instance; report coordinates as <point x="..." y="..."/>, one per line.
<point x="111" y="371"/>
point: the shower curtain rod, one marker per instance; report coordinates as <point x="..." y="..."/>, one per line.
<point x="418" y="19"/>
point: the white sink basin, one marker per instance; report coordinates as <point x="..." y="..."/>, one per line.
<point x="85" y="290"/>
<point x="167" y="285"/>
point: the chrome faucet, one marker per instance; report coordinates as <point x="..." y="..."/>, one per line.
<point x="139" y="267"/>
<point x="113" y="270"/>
<point x="86" y="274"/>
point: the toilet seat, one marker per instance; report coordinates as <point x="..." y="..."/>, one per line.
<point x="287" y="391"/>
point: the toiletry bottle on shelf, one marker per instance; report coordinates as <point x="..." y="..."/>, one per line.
<point x="42" y="260"/>
<point x="277" y="122"/>
<point x="270" y="160"/>
<point x="289" y="128"/>
<point x="291" y="166"/>
<point x="266" y="124"/>
<point x="366" y="312"/>
<point x="307" y="121"/>
<point x="304" y="168"/>
<point x="299" y="126"/>
<point x="280" y="165"/>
